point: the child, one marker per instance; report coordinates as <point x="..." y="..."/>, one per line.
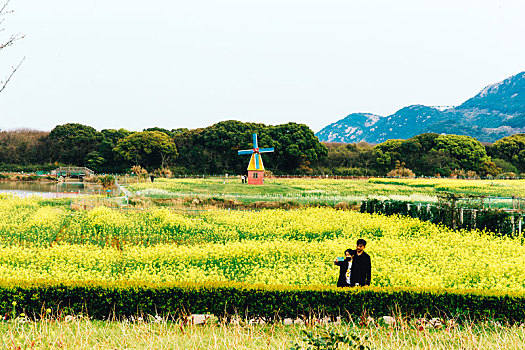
<point x="345" y="269"/>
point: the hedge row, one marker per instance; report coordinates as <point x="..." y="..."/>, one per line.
<point x="498" y="221"/>
<point x="101" y="301"/>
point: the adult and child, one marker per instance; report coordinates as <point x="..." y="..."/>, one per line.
<point x="355" y="268"/>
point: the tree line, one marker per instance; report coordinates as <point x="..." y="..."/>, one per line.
<point x="429" y="154"/>
<point x="213" y="150"/>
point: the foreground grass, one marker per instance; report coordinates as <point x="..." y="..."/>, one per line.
<point x="159" y="334"/>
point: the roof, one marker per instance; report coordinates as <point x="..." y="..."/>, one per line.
<point x="252" y="164"/>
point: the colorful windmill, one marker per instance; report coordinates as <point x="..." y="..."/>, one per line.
<point x="255" y="167"/>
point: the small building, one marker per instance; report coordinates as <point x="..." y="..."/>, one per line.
<point x="68" y="171"/>
<point x="255" y="174"/>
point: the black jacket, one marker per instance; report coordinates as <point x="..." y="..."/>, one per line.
<point x="361" y="270"/>
<point x="343" y="266"/>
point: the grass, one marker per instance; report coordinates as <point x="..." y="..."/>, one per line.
<point x="329" y="189"/>
<point x="157" y="333"/>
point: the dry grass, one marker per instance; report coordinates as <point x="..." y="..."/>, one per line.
<point x="157" y="333"/>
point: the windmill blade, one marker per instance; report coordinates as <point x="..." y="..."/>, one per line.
<point x="257" y="161"/>
<point x="265" y="150"/>
<point x="246" y="151"/>
<point x="255" y="141"/>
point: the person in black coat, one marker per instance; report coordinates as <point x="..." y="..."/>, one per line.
<point x="361" y="266"/>
<point x="345" y="268"/>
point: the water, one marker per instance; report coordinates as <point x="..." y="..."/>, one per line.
<point x="49" y="189"/>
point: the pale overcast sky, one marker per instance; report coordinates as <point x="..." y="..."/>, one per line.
<point x="192" y="63"/>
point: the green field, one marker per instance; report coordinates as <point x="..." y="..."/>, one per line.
<point x="329" y="189"/>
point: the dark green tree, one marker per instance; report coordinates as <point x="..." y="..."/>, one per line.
<point x="297" y="148"/>
<point x="386" y="154"/>
<point x="94" y="161"/>
<point x="512" y="150"/>
<point x="71" y="143"/>
<point x="179" y="131"/>
<point x="460" y="152"/>
<point x="112" y="163"/>
<point x="149" y="149"/>
<point x="439" y="162"/>
<point x="347" y="159"/>
<point x="224" y="139"/>
<point x="213" y="150"/>
<point x="415" y="153"/>
<point x="340" y="155"/>
<point x="506" y="167"/>
<point x="22" y="146"/>
<point x="191" y="149"/>
<point x="166" y="131"/>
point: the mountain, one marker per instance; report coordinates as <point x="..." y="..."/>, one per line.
<point x="495" y="112"/>
<point x="406" y="123"/>
<point x="350" y="129"/>
<point x="506" y="97"/>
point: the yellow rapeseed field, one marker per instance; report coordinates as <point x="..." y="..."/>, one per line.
<point x="43" y="241"/>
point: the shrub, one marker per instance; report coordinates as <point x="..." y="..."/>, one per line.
<point x="342" y="206"/>
<point x="401" y="172"/>
<point x="30" y="178"/>
<point x="163" y="172"/>
<point x="139" y="171"/>
<point x="471" y="174"/>
<point x="106" y="181"/>
<point x="99" y="300"/>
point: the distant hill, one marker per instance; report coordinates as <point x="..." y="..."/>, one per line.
<point x="497" y="111"/>
<point x="349" y="129"/>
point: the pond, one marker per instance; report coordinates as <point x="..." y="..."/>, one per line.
<point x="49" y="189"/>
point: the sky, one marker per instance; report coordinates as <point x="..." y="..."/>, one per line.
<point x="190" y="64"/>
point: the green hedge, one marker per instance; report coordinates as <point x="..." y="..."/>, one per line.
<point x="101" y="301"/>
<point x="494" y="220"/>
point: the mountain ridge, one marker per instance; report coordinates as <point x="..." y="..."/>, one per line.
<point x="498" y="110"/>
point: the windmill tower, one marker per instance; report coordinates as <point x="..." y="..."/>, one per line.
<point x="255" y="167"/>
